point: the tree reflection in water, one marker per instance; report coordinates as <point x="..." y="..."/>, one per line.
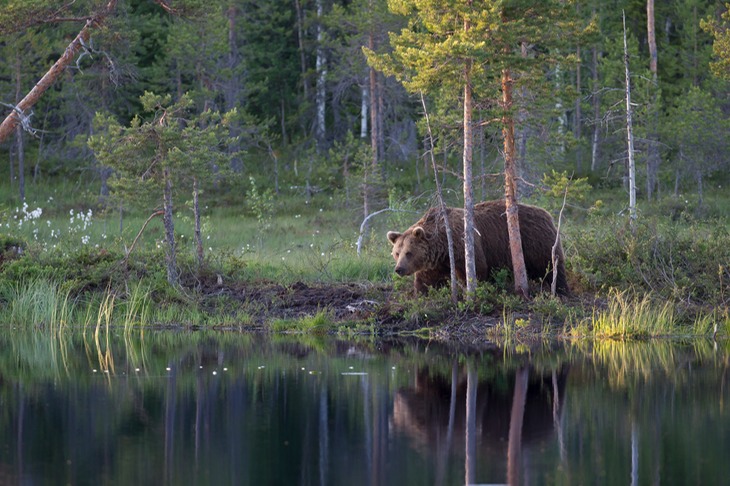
<point x="498" y="417"/>
<point x="205" y="408"/>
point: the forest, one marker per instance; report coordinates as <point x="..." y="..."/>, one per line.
<point x="238" y="162"/>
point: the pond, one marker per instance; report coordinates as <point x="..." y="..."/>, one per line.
<point x="227" y="408"/>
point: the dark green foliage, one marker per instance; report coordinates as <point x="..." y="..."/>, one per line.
<point x="681" y="262"/>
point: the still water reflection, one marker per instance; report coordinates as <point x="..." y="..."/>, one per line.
<point x="177" y="408"/>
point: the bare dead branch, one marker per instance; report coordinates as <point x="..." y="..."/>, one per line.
<point x="364" y="224"/>
<point x="134" y="243"/>
<point x="14" y="118"/>
<point x="554" y="285"/>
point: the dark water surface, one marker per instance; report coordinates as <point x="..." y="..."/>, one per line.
<point x="203" y="408"/>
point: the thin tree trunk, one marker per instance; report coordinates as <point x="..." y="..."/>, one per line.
<point x="578" y="117"/>
<point x="700" y="190"/>
<point x="20" y="152"/>
<point x="373" y="78"/>
<point x="442" y="205"/>
<point x="510" y="184"/>
<point x="596" y="113"/>
<point x="196" y="211"/>
<point x="482" y="164"/>
<point x="39" y="157"/>
<point x="300" y="39"/>
<point x="172" y="274"/>
<point x="364" y="112"/>
<point x="469" y="255"/>
<point x="652" y="160"/>
<point x="522" y="135"/>
<point x="629" y="132"/>
<point x="380" y="124"/>
<point x="21" y="162"/>
<point x="321" y="66"/>
<point x="233" y="86"/>
<point x="23" y="107"/>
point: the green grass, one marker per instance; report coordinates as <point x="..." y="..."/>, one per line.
<point x="36" y="303"/>
<point x="676" y="261"/>
<point x="320" y="323"/>
<point x="633" y="316"/>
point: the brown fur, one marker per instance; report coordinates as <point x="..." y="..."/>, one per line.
<point x="423" y="249"/>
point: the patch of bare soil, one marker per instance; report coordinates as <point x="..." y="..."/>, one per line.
<point x="266" y="301"/>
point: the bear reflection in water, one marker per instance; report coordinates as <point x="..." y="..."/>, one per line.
<point x="505" y="415"/>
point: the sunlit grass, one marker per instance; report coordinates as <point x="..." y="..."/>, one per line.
<point x="633" y="316"/>
<point x="320" y="323"/>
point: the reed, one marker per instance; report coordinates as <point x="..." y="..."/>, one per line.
<point x="38" y="302"/>
<point x="634" y="316"/>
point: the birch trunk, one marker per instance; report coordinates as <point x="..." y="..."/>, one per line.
<point x="321" y="67"/>
<point x="469" y="256"/>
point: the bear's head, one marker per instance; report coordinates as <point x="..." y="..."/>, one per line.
<point x="409" y="250"/>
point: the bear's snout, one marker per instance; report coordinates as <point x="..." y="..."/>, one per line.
<point x="400" y="270"/>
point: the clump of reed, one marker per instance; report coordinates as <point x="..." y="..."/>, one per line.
<point x="638" y="315"/>
<point x="43" y="303"/>
<point x="36" y="303"/>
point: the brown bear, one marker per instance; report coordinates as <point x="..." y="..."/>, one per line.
<point x="423" y="249"/>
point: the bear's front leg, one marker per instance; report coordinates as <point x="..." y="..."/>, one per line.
<point x="426" y="279"/>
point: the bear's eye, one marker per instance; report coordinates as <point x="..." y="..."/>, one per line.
<point x="409" y="254"/>
<point x="397" y="254"/>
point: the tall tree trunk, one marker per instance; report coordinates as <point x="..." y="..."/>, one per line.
<point x="596" y="113"/>
<point x="20" y="151"/>
<point x="700" y="191"/>
<point x="321" y="66"/>
<point x="232" y="86"/>
<point x="21" y="162"/>
<point x="578" y="117"/>
<point x="374" y="142"/>
<point x="629" y="132"/>
<point x="364" y="100"/>
<point x="652" y="159"/>
<point x="469" y="256"/>
<point x="522" y="133"/>
<point x="82" y="38"/>
<point x="172" y="274"/>
<point x="196" y="213"/>
<point x="300" y="40"/>
<point x="510" y="189"/>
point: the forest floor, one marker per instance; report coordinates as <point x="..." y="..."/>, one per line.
<point x="375" y="308"/>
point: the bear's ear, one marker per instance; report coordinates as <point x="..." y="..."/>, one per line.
<point x="419" y="232"/>
<point x="393" y="236"/>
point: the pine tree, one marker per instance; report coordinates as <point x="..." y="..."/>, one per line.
<point x="172" y="149"/>
<point x="475" y="48"/>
